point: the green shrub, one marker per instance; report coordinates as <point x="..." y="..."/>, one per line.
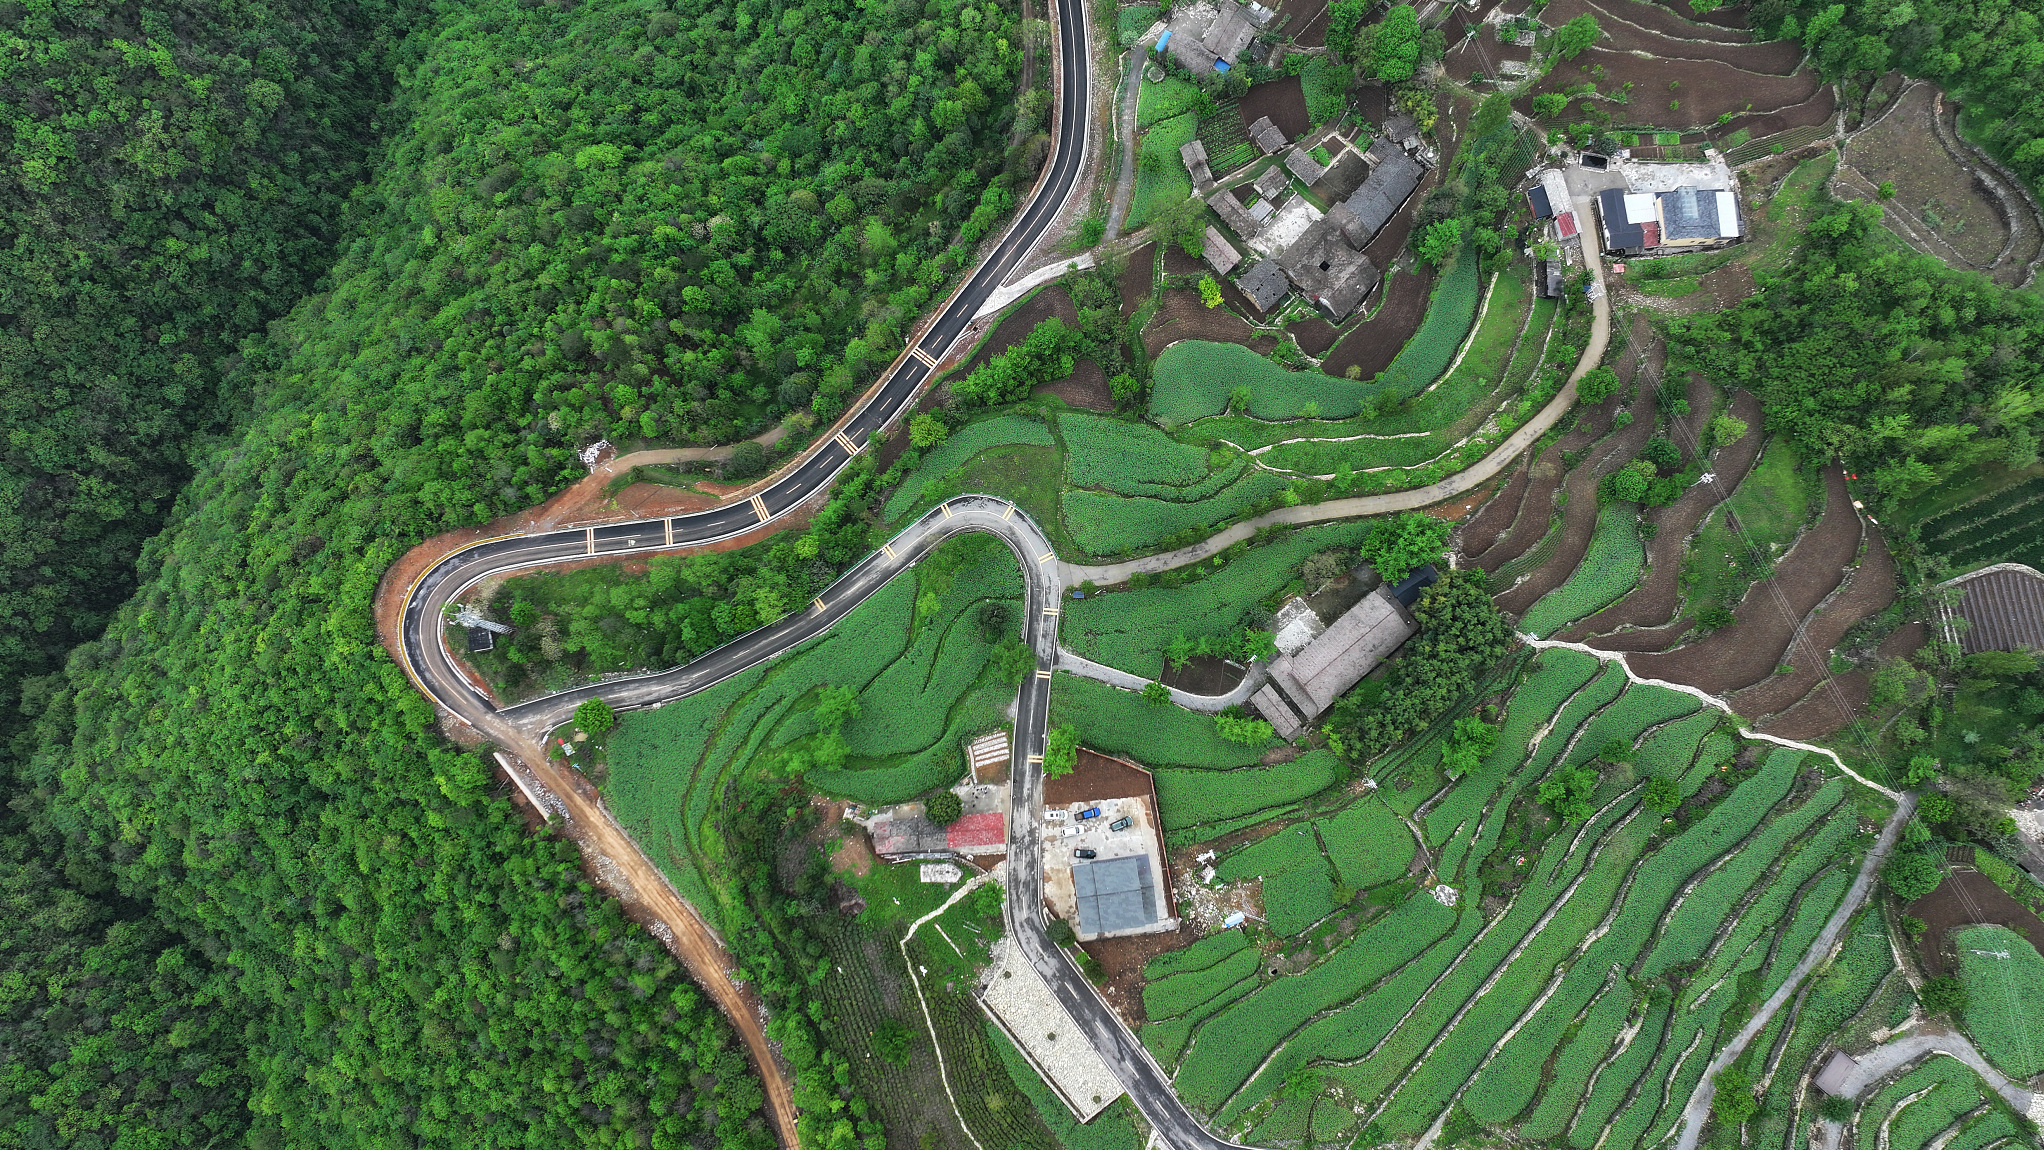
<point x="944" y="808"/>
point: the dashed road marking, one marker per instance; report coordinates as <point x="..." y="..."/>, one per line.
<point x="947" y="509"/>
<point x="1008" y="512"/>
<point x="1043" y="674"/>
<point x="1050" y="610"/>
<point x="1035" y="759"/>
<point x="820" y="606"/>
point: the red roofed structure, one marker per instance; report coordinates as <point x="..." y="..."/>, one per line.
<point x="1565" y="222"/>
<point x="977" y="834"/>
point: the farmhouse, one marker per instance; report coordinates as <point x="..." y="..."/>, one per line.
<point x="1301" y="163"/>
<point x="1195" y="156"/>
<point x="1210" y="36"/>
<point x="1682" y="219"/>
<point x="1123" y="888"/>
<point x="1264" y="284"/>
<point x="1267" y="136"/>
<point x="1394" y="175"/>
<point x="1328" y="266"/>
<point x="1304" y="683"/>
<point x="1220" y="255"/>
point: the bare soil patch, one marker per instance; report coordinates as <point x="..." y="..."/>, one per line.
<point x="1871" y="588"/>
<point x="1204" y="675"/>
<point x="1497" y="514"/>
<point x="1963" y="899"/>
<point x="1544" y="478"/>
<point x="1664" y="19"/>
<point x="1138" y="278"/>
<point x="1704" y="89"/>
<point x="1634" y="27"/>
<point x="1284" y="101"/>
<point x="1177" y="263"/>
<point x="1481" y="54"/>
<point x="1829" y="707"/>
<point x="1906" y="640"/>
<point x="1375" y="342"/>
<point x="1749" y="650"/>
<point x="1124" y="958"/>
<point x="1086" y="387"/>
<point x="1303" y="21"/>
<point x="1652" y="604"/>
<point x="1050" y="301"/>
<point x="1372" y="102"/>
<point x="1821" y="108"/>
<point x="1184" y="316"/>
<point x="1939" y="207"/>
<point x="1579" y="518"/>
<point x="1314" y="336"/>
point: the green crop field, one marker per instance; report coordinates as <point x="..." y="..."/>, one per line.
<point x="959" y="449"/>
<point x="1194" y="378"/>
<point x="1325" y="84"/>
<point x="1130" y="23"/>
<point x="1130" y="629"/>
<point x="1609" y="569"/>
<point x="1124" y="723"/>
<point x="1920" y="1104"/>
<point x="1192" y="798"/>
<point x="1161" y="178"/>
<point x="1165" y="98"/>
<point x="2005" y="997"/>
<point x="1992" y="530"/>
<point x="1426" y="1016"/>
<point x="1130" y="458"/>
<point x="1176" y="994"/>
<point x="1770" y="504"/>
<point x="1117" y="524"/>
<point x="1200" y="955"/>
<point x="1368" y="844"/>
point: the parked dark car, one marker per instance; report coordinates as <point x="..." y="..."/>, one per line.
<point x="1121" y="824"/>
<point x="1083" y="853"/>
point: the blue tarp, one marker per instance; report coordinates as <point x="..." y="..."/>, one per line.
<point x="1164" y="39"/>
<point x="1220" y="65"/>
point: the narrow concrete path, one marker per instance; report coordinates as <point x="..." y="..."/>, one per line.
<point x="1115" y="677"/>
<point x="1125" y="135"/>
<point x="1882" y="1061"/>
<point x="1698" y="1110"/>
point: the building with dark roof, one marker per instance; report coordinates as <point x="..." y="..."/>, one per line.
<point x="1271" y="182"/>
<point x="1301" y="163"/>
<point x="1328" y="267"/>
<point x="1114" y="895"/>
<point x="2003" y="607"/>
<point x="1690" y="217"/>
<point x="1264" y="283"/>
<point x="1219" y="253"/>
<point x="1267" y="136"/>
<point x="1195" y="156"/>
<point x="1303" y="685"/>
<point x="1394" y="176"/>
<point x="1208" y="39"/>
<point x="1536" y="198"/>
<point x="1624" y="219"/>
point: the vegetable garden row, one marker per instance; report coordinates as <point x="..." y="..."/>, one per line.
<point x="1580" y="1004"/>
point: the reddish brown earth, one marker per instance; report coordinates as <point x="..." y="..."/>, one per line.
<point x="1579" y="518"/>
<point x="1630" y="26"/>
<point x="1284" y="101"/>
<point x="1372" y="103"/>
<point x="1963" y="899"/>
<point x="1818" y="109"/>
<point x="1374" y="343"/>
<point x="1652" y="604"/>
<point x="1545" y="477"/>
<point x="1479" y="55"/>
<point x="1124" y="958"/>
<point x="1314" y="336"/>
<point x="1136" y="279"/>
<point x="1307" y="25"/>
<point x="1203" y="675"/>
<point x="1184" y="316"/>
<point x="1752" y="646"/>
<point x="1177" y="263"/>
<point x="1086" y="387"/>
<point x="1652" y="17"/>
<point x="1837" y="701"/>
<point x="1051" y="301"/>
<point x="1707" y="88"/>
<point x="1870" y="588"/>
<point x="1497" y="514"/>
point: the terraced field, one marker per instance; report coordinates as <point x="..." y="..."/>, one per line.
<point x="1584" y="972"/>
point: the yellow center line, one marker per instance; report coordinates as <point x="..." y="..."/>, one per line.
<point x="589" y="538"/>
<point x="820" y="606"/>
<point x="759" y="506"/>
<point x="889" y="550"/>
<point x="947" y="509"/>
<point x="1046" y="557"/>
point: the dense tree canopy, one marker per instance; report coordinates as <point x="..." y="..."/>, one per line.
<point x="1909" y="370"/>
<point x="602" y="219"/>
<point x="175" y="177"/>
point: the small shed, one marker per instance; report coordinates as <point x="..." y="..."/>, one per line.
<point x="1195" y="156"/>
<point x="1301" y="163"/>
<point x="1267" y="136"/>
<point x="1271" y="183"/>
<point x="1265" y="284"/>
<point x="1831" y="1079"/>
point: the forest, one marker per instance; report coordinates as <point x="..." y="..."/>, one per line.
<point x="1908" y="370"/>
<point x="252" y="895"/>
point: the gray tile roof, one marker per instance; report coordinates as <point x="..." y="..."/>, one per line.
<point x="1323" y="264"/>
<point x="1301" y="163"/>
<point x="1391" y="183"/>
<point x="1114" y="894"/>
<point x="1267" y="135"/>
<point x="1265" y="284"/>
<point x="1688" y="214"/>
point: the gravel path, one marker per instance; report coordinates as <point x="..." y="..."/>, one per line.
<point x="1086" y="668"/>
<point x="1125" y="135"/>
